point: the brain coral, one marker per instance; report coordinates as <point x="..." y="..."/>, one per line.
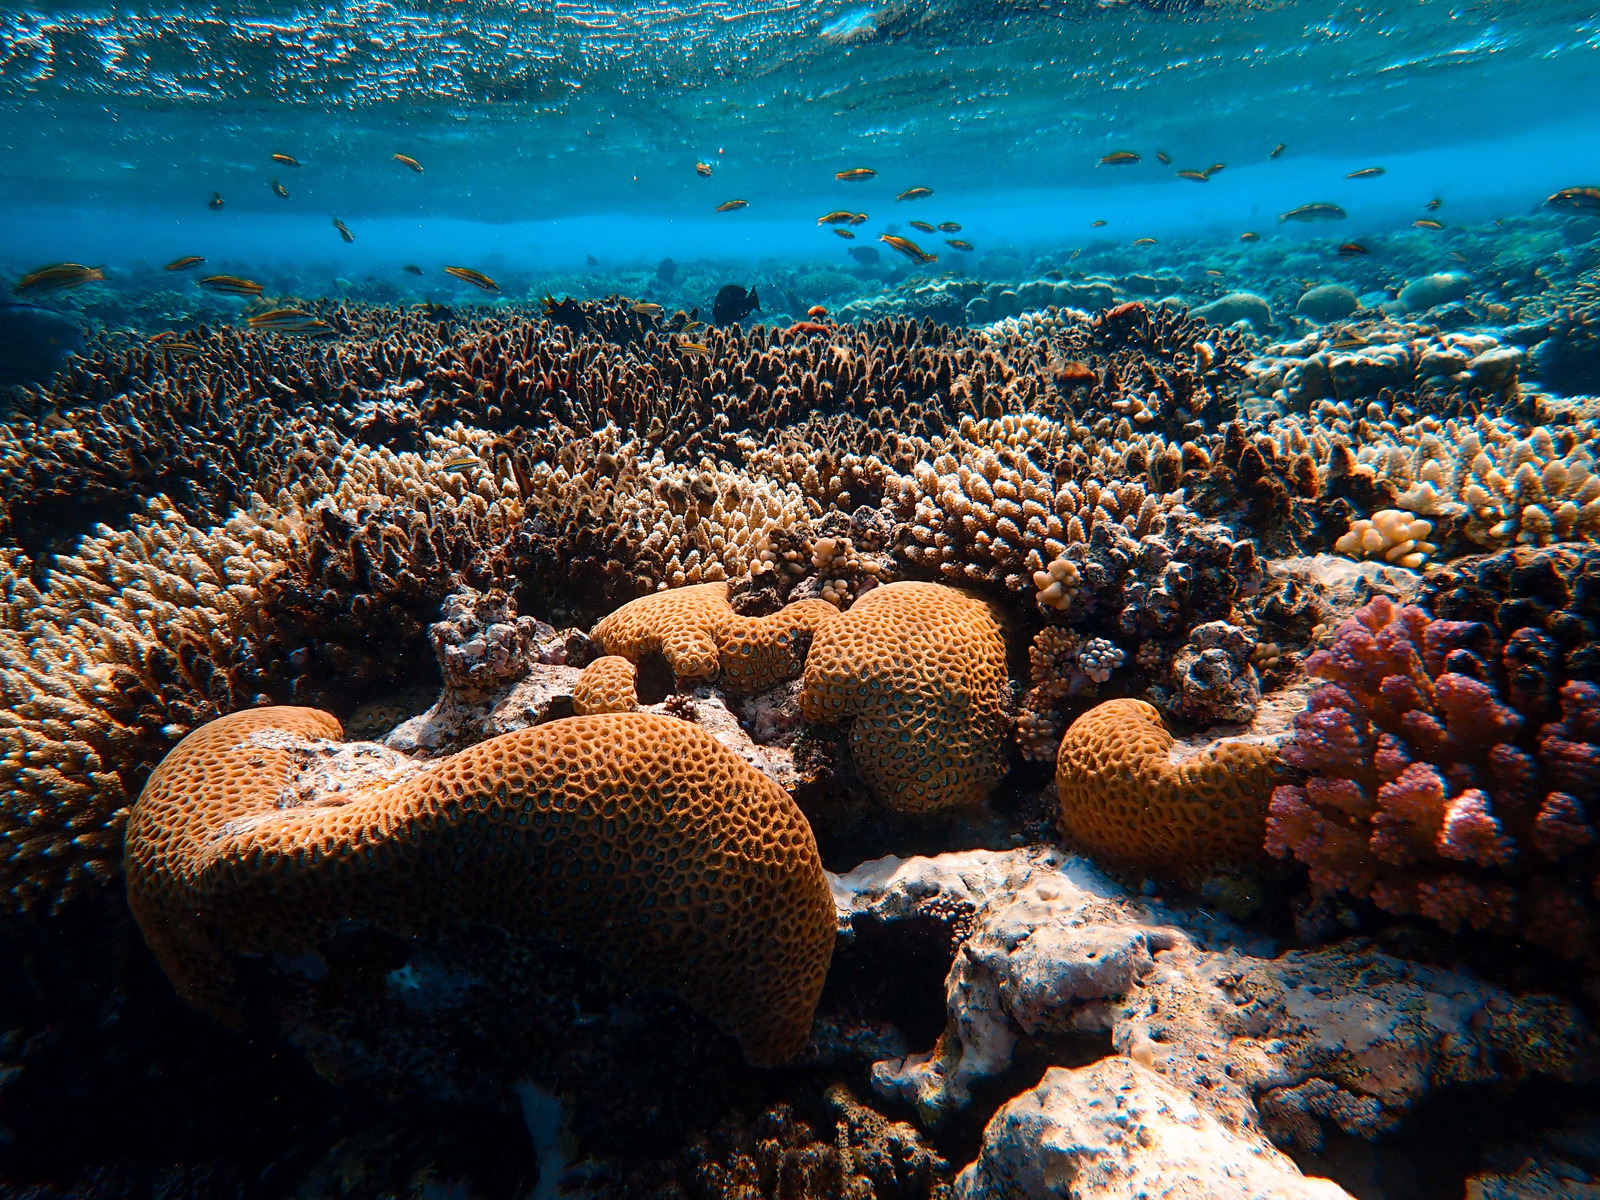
<point x="606" y="686"/>
<point x="922" y="670"/>
<point x="1130" y="804"/>
<point x="696" y="630"/>
<point x="634" y="838"/>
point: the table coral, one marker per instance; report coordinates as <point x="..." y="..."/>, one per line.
<point x="696" y="630"/>
<point x="1130" y="804"/>
<point x="1448" y="775"/>
<point x="606" y="685"/>
<point x="634" y="838"/>
<point x="919" y="670"/>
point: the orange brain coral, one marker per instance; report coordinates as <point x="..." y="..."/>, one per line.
<point x="636" y="839"/>
<point x="1127" y="803"/>
<point x="696" y="630"/>
<point x="922" y="670"/>
<point x="607" y="685"/>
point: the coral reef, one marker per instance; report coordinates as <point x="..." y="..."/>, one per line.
<point x="1449" y="775"/>
<point x="1212" y="677"/>
<point x="606" y="685"/>
<point x="1127" y="801"/>
<point x="615" y="833"/>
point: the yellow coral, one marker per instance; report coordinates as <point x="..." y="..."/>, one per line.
<point x="606" y="686"/>
<point x="696" y="630"/>
<point x="1127" y="802"/>
<point x="922" y="670"/>
<point x="637" y="839"/>
<point x="1391" y="534"/>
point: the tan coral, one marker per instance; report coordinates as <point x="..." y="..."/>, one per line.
<point x="606" y="686"/>
<point x="1129" y="803"/>
<point x="920" y="669"/>
<point x="634" y="838"/>
<point x="696" y="630"/>
<point x="1390" y="534"/>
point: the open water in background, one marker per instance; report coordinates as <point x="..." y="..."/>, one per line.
<point x="550" y="132"/>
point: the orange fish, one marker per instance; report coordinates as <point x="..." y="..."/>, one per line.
<point x="59" y="277"/>
<point x="476" y="278"/>
<point x="405" y="160"/>
<point x="1163" y="158"/>
<point x="1145" y="241"/>
<point x="343" y="232"/>
<point x="1366" y="173"/>
<point x="1248" y="236"/>
<point x="1118" y="158"/>
<point x="856" y="175"/>
<point x="844" y="233"/>
<point x="732" y="205"/>
<point x="1196" y="176"/>
<point x="1096" y="224"/>
<point x="909" y="248"/>
<point x="285" y="160"/>
<point x="703" y="169"/>
<point x="1426" y="223"/>
<point x="184" y="263"/>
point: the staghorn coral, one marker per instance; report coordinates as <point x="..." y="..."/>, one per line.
<point x="701" y="638"/>
<point x="606" y="686"/>
<point x="919" y="670"/>
<point x="638" y="839"/>
<point x="1449" y="775"/>
<point x="1126" y="800"/>
<point x="1062" y="666"/>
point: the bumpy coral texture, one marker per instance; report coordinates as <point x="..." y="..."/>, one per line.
<point x="1449" y="776"/>
<point x="920" y="670"/>
<point x="1129" y="805"/>
<point x="696" y="630"/>
<point x="634" y="838"/>
<point x="606" y="686"/>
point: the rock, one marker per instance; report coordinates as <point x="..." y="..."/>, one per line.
<point x="1496" y="369"/>
<point x="978" y="311"/>
<point x="1236" y="307"/>
<point x="1117" y="1131"/>
<point x="1422" y="294"/>
<point x="709" y="709"/>
<point x="1211" y="679"/>
<point x="1329" y="302"/>
<point x="544" y="693"/>
<point x="1089" y="295"/>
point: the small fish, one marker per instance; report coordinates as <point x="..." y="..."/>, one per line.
<point x="958" y="244"/>
<point x="1584" y="200"/>
<point x="59" y="277"/>
<point x="1433" y="205"/>
<point x="646" y="309"/>
<point x="279" y="190"/>
<point x="476" y="278"/>
<point x="1278" y="149"/>
<point x="285" y="160"/>
<point x="916" y="193"/>
<point x="405" y="160"/>
<point x="215" y="203"/>
<point x="184" y="263"/>
<point x="1118" y="158"/>
<point x="180" y="349"/>
<point x="1347" y="339"/>
<point x="1314" y="212"/>
<point x="816" y="312"/>
<point x="1426" y="223"/>
<point x="949" y="227"/>
<point x="907" y="247"/>
<point x="1214" y="168"/>
<point x="856" y="175"/>
<point x="343" y="232"/>
<point x="841" y="216"/>
<point x="703" y="169"/>
<point x="691" y="326"/>
<point x="844" y="233"/>
<point x="1352" y="250"/>
<point x="1249" y="236"/>
<point x="732" y="205"/>
<point x="459" y="462"/>
<point x="1196" y="176"/>
<point x="412" y="269"/>
<point x="1366" y="173"/>
<point x="1100" y="224"/>
<point x="859" y="219"/>
<point x="1213" y="272"/>
<point x="698" y="349"/>
<point x="280" y="318"/>
<point x="232" y="284"/>
<point x="1163" y="158"/>
<point x="922" y="226"/>
<point x="1144" y="241"/>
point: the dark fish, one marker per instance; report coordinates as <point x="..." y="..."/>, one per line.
<point x="1097" y="224"/>
<point x="232" y="284"/>
<point x="1314" y="212"/>
<point x="406" y="160"/>
<point x="1278" y="149"/>
<point x="1433" y="205"/>
<point x="1214" y="168"/>
<point x="1584" y="200"/>
<point x="1163" y="158"/>
<point x="285" y="160"/>
<point x="343" y="232"/>
<point x="703" y="169"/>
<point x="844" y="233"/>
<point x="412" y="269"/>
<point x="1352" y="250"/>
<point x="909" y="248"/>
<point x="856" y="175"/>
<point x="1366" y="173"/>
<point x="922" y="226"/>
<point x="958" y="244"/>
<point x="733" y="303"/>
<point x="590" y="260"/>
<point x="732" y="205"/>
<point x="867" y="256"/>
<point x="279" y="190"/>
<point x="1249" y="236"/>
<point x="215" y="202"/>
<point x="916" y="193"/>
<point x="1118" y="158"/>
<point x="34" y="342"/>
<point x="568" y="313"/>
<point x="476" y="278"/>
<point x="1196" y="176"/>
<point x="1426" y="223"/>
<point x="184" y="263"/>
<point x="949" y="227"/>
<point x="58" y="278"/>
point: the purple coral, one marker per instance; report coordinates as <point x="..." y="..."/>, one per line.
<point x="1429" y="793"/>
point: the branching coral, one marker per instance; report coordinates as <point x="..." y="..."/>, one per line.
<point x="635" y="838"/>
<point x="1441" y="784"/>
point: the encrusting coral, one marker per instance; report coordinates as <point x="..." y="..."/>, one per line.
<point x="1449" y="775"/>
<point x="1128" y="803"/>
<point x="919" y="670"/>
<point x="634" y="838"/>
<point x="606" y="685"/>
